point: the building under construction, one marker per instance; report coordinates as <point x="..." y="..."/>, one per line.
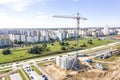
<point x="67" y="62"/>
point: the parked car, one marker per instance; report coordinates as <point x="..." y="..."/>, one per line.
<point x="43" y="75"/>
<point x="32" y="78"/>
<point x="83" y="55"/>
<point x="44" y="59"/>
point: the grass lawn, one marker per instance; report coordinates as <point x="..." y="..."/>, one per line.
<point x="40" y="64"/>
<point x="21" y="53"/>
<point x="21" y="74"/>
<point x="26" y="74"/>
<point x="5" y="68"/>
<point x="5" y="71"/>
<point x="36" y="70"/>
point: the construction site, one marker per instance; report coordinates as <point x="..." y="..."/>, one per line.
<point x="65" y="68"/>
<point x="91" y="67"/>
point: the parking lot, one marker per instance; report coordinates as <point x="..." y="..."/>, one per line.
<point x="31" y="73"/>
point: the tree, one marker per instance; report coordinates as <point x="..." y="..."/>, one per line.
<point x="44" y="45"/>
<point x="62" y="43"/>
<point x="66" y="43"/>
<point x="72" y="48"/>
<point x="35" y="50"/>
<point x="52" y="40"/>
<point x="63" y="48"/>
<point x="84" y="44"/>
<point x="99" y="39"/>
<point x="6" y="51"/>
<point x="75" y="44"/>
<point x="52" y="44"/>
<point x="48" y="49"/>
<point x="15" y="41"/>
<point x="90" y="41"/>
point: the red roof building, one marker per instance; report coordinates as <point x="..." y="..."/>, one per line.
<point x="117" y="37"/>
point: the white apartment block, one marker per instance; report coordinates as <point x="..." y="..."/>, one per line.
<point x="22" y="38"/>
<point x="4" y="40"/>
<point x="61" y="35"/>
<point x="106" y="30"/>
<point x="44" y="33"/>
<point x="14" y="37"/>
<point x="36" y="39"/>
<point x="47" y="38"/>
<point x="30" y="39"/>
<point x="42" y="38"/>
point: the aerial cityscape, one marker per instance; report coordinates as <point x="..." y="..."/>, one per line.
<point x="59" y="40"/>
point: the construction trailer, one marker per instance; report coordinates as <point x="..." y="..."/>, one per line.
<point x="100" y="66"/>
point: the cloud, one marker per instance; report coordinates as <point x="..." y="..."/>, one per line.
<point x="18" y="5"/>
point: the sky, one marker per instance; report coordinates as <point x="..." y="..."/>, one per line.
<point x="39" y="13"/>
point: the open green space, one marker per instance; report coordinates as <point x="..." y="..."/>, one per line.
<point x="26" y="74"/>
<point x="5" y="68"/>
<point x="22" y="53"/>
<point x="40" y="64"/>
<point x="5" y="71"/>
<point x="21" y="74"/>
<point x="36" y="70"/>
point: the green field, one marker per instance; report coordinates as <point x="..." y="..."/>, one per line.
<point x="22" y="54"/>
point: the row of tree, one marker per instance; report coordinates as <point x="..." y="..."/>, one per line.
<point x="37" y="49"/>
